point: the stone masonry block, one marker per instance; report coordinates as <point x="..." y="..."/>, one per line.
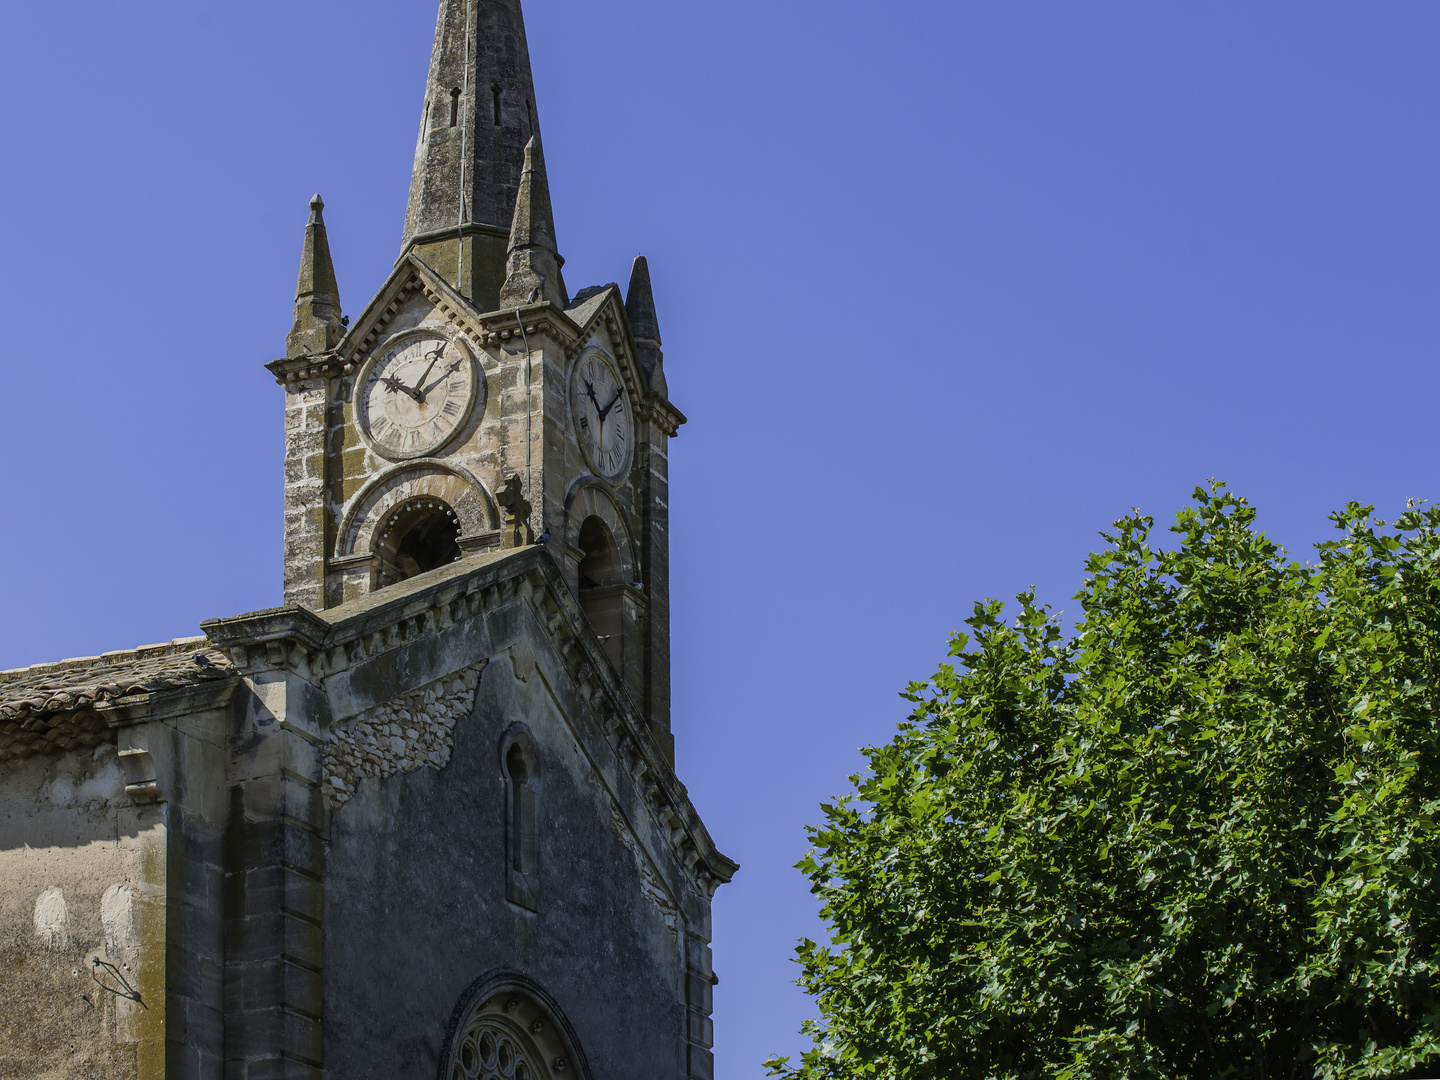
<point x="282" y="796"/>
<point x="276" y="843"/>
<point x="266" y="983"/>
<point x="277" y="888"/>
<point x="303" y="1038"/>
<point x="698" y="955"/>
<point x="303" y="492"/>
<point x="186" y="1062"/>
<point x="280" y="751"/>
<point x="700" y="993"/>
<point x="195" y="977"/>
<point x="353" y="462"/>
<point x="194" y="1024"/>
<point x="700" y="1029"/>
<point x="271" y="936"/>
<point x="277" y="1031"/>
<point x="702" y="1063"/>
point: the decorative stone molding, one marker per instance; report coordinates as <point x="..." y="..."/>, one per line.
<point x="141" y="783"/>
<point x="506" y="1008"/>
<point x="474" y="506"/>
<point x="291" y="372"/>
<point x="382" y="311"/>
<point x="662" y="414"/>
<point x="414" y="731"/>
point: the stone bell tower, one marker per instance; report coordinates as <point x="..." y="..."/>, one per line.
<point x="474" y="405"/>
<point x="423" y="820"/>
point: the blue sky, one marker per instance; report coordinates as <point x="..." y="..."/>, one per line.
<point x="945" y="288"/>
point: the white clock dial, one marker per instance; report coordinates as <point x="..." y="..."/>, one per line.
<point x="602" y="415"/>
<point x="414" y="396"/>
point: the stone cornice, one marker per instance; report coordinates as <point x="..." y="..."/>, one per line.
<point x="439" y="236"/>
<point x="166" y="704"/>
<point x="409" y="277"/>
<point x="662" y="414"/>
<point x="292" y="371"/>
<point x="314" y="646"/>
<point x="289" y="625"/>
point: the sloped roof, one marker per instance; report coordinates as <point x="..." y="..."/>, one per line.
<point x="588" y="301"/>
<point x="51" y="707"/>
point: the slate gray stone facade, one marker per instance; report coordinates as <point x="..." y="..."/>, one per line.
<point x="423" y="821"/>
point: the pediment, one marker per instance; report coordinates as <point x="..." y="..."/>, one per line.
<point x="512" y="606"/>
<point x="410" y="279"/>
<point x="600" y="320"/>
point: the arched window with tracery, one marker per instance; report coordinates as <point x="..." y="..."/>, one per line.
<point x="521" y="768"/>
<point x="602" y="587"/>
<point x="507" y="1028"/>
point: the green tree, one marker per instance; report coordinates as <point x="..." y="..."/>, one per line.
<point x="1195" y="838"/>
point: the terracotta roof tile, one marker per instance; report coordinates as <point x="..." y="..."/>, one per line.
<point x="51" y="707"/>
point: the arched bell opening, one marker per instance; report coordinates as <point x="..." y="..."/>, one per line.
<point x="602" y="587"/>
<point x="419" y="534"/>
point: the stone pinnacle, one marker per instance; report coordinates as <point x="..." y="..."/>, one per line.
<point x="317" y="327"/>
<point x="532" y="264"/>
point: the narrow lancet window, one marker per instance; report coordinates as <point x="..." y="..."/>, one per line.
<point x="522" y="812"/>
<point x="522" y="793"/>
<point x="454" y="106"/>
<point x="495" y="93"/>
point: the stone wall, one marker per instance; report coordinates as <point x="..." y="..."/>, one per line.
<point x="408" y="732"/>
<point x="416" y="890"/>
<point x="292" y="854"/>
<point x="82" y="923"/>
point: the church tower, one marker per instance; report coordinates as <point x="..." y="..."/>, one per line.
<point x="474" y="405"/>
<point x="422" y="821"/>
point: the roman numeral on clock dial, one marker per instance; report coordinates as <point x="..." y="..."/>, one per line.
<point x="600" y="408"/>
<point x="416" y="395"/>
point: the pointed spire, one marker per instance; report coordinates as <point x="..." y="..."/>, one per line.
<point x="645" y="326"/>
<point x="317" y="326"/>
<point x="532" y="265"/>
<point x="479" y="113"/>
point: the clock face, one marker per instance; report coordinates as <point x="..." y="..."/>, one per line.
<point x="413" y="397"/>
<point x="602" y="416"/>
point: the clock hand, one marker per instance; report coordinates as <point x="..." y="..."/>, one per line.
<point x="434" y="355"/>
<point x="443" y="376"/>
<point x="606" y="411"/>
<point x="393" y="383"/>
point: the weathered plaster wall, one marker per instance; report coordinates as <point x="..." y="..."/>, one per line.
<point x="82" y="873"/>
<point x="416" y="904"/>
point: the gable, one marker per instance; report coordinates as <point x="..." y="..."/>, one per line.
<point x="601" y="323"/>
<point x="411" y="292"/>
<point x="431" y="630"/>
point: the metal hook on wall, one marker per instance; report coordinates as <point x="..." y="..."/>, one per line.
<point x="129" y="993"/>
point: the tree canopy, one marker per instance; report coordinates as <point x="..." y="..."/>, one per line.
<point x="1194" y="838"/>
